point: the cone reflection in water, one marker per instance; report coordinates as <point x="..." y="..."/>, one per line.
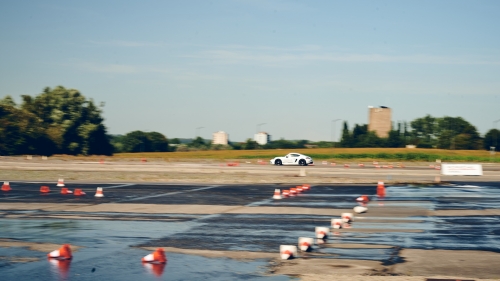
<point x="60" y="267"/>
<point x="156" y="269"/>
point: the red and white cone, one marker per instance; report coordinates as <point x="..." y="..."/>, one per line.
<point x="322" y="232"/>
<point x="288" y="252"/>
<point x="337" y="223"/>
<point x="347" y="217"/>
<point x="64" y="253"/>
<point x="305" y="243"/>
<point x="360" y="209"/>
<point x="380" y="189"/>
<point x="157" y="256"/>
<point x="277" y="194"/>
<point x="60" y="183"/>
<point x="6" y="186"/>
<point x="98" y="192"/>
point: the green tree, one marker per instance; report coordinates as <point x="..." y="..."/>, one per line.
<point x="346" y="140"/>
<point x="22" y="133"/>
<point x="492" y="138"/>
<point x="199" y="143"/>
<point x="424" y="129"/>
<point x="251" y="144"/>
<point x="71" y="121"/>
<point x="139" y="141"/>
<point x="394" y="139"/>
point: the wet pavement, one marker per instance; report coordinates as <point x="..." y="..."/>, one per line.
<point x="110" y="246"/>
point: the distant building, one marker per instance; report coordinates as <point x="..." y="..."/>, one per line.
<point x="380" y="120"/>
<point x="220" y="137"/>
<point x="262" y="138"/>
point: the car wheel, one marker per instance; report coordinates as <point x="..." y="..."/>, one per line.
<point x="277" y="162"/>
<point x="302" y="162"/>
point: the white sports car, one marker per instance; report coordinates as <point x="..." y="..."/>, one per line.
<point x="292" y="159"/>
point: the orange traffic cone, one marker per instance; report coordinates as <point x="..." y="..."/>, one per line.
<point x="306" y="187"/>
<point x="277" y="194"/>
<point x="6" y="186"/>
<point x="65" y="190"/>
<point x="98" y="192"/>
<point x="79" y="192"/>
<point x="44" y="189"/>
<point x="286" y="192"/>
<point x="380" y="189"/>
<point x="299" y="188"/>
<point x="157" y="256"/>
<point x="363" y="199"/>
<point x="60" y="182"/>
<point x="293" y="191"/>
<point x="64" y="253"/>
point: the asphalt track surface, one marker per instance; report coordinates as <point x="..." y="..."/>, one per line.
<point x="112" y="240"/>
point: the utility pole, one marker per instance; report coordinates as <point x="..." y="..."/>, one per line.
<point x="333" y="131"/>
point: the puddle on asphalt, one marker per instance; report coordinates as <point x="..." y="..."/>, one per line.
<point x="107" y="255"/>
<point x="126" y="264"/>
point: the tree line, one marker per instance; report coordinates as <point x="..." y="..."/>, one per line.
<point x="63" y="121"/>
<point x="425" y="132"/>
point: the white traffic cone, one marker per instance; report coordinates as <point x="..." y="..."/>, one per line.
<point x="360" y="209"/>
<point x="98" y="192"/>
<point x="347" y="217"/>
<point x="60" y="182"/>
<point x="322" y="232"/>
<point x="288" y="252"/>
<point x="277" y="194"/>
<point x="305" y="243"/>
<point x="337" y="223"/>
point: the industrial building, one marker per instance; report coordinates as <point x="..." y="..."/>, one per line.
<point x="380" y="120"/>
<point x="262" y="138"/>
<point x="220" y="137"/>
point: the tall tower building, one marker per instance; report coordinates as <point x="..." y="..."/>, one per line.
<point x="220" y="137"/>
<point x="380" y="120"/>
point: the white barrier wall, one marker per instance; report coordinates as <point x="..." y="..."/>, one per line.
<point x="462" y="169"/>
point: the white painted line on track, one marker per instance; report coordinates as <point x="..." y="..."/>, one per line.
<point x="169" y="193"/>
<point x="116" y="186"/>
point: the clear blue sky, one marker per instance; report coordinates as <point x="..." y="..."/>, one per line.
<point x="172" y="66"/>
